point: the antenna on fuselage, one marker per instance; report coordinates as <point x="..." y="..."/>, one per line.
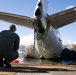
<point x="34" y="36"/>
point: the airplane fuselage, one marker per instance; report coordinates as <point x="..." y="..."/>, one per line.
<point x="48" y="45"/>
<point x="47" y="40"/>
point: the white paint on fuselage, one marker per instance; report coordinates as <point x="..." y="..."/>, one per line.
<point x="48" y="45"/>
<point x="43" y="9"/>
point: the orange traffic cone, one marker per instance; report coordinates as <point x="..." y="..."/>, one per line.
<point x="15" y="62"/>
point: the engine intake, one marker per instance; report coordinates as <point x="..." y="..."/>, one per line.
<point x="38" y="12"/>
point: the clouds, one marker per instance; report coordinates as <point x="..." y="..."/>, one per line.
<point x="68" y="7"/>
<point x="68" y="42"/>
<point x="27" y="40"/>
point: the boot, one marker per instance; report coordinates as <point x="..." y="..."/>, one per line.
<point x="1" y="62"/>
<point x="7" y="63"/>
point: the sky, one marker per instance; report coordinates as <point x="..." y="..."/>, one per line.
<point x="26" y="8"/>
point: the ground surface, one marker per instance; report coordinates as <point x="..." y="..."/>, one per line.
<point x="42" y="69"/>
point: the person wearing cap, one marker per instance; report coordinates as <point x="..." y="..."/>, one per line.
<point x="9" y="44"/>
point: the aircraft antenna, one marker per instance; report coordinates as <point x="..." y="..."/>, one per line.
<point x="34" y="36"/>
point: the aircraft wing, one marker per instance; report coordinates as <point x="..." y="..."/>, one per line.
<point x="63" y="18"/>
<point x="17" y="19"/>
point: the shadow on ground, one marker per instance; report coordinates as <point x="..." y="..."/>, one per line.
<point x="33" y="70"/>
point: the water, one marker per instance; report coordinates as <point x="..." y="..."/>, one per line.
<point x="35" y="61"/>
<point x="23" y="60"/>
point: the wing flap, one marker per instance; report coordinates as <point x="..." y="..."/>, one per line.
<point x="17" y="19"/>
<point x="63" y="18"/>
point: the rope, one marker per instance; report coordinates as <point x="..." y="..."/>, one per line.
<point x="34" y="37"/>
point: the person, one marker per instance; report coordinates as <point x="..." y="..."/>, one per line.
<point x="9" y="45"/>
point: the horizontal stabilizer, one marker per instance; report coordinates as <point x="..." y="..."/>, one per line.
<point x="63" y="18"/>
<point x="17" y="19"/>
